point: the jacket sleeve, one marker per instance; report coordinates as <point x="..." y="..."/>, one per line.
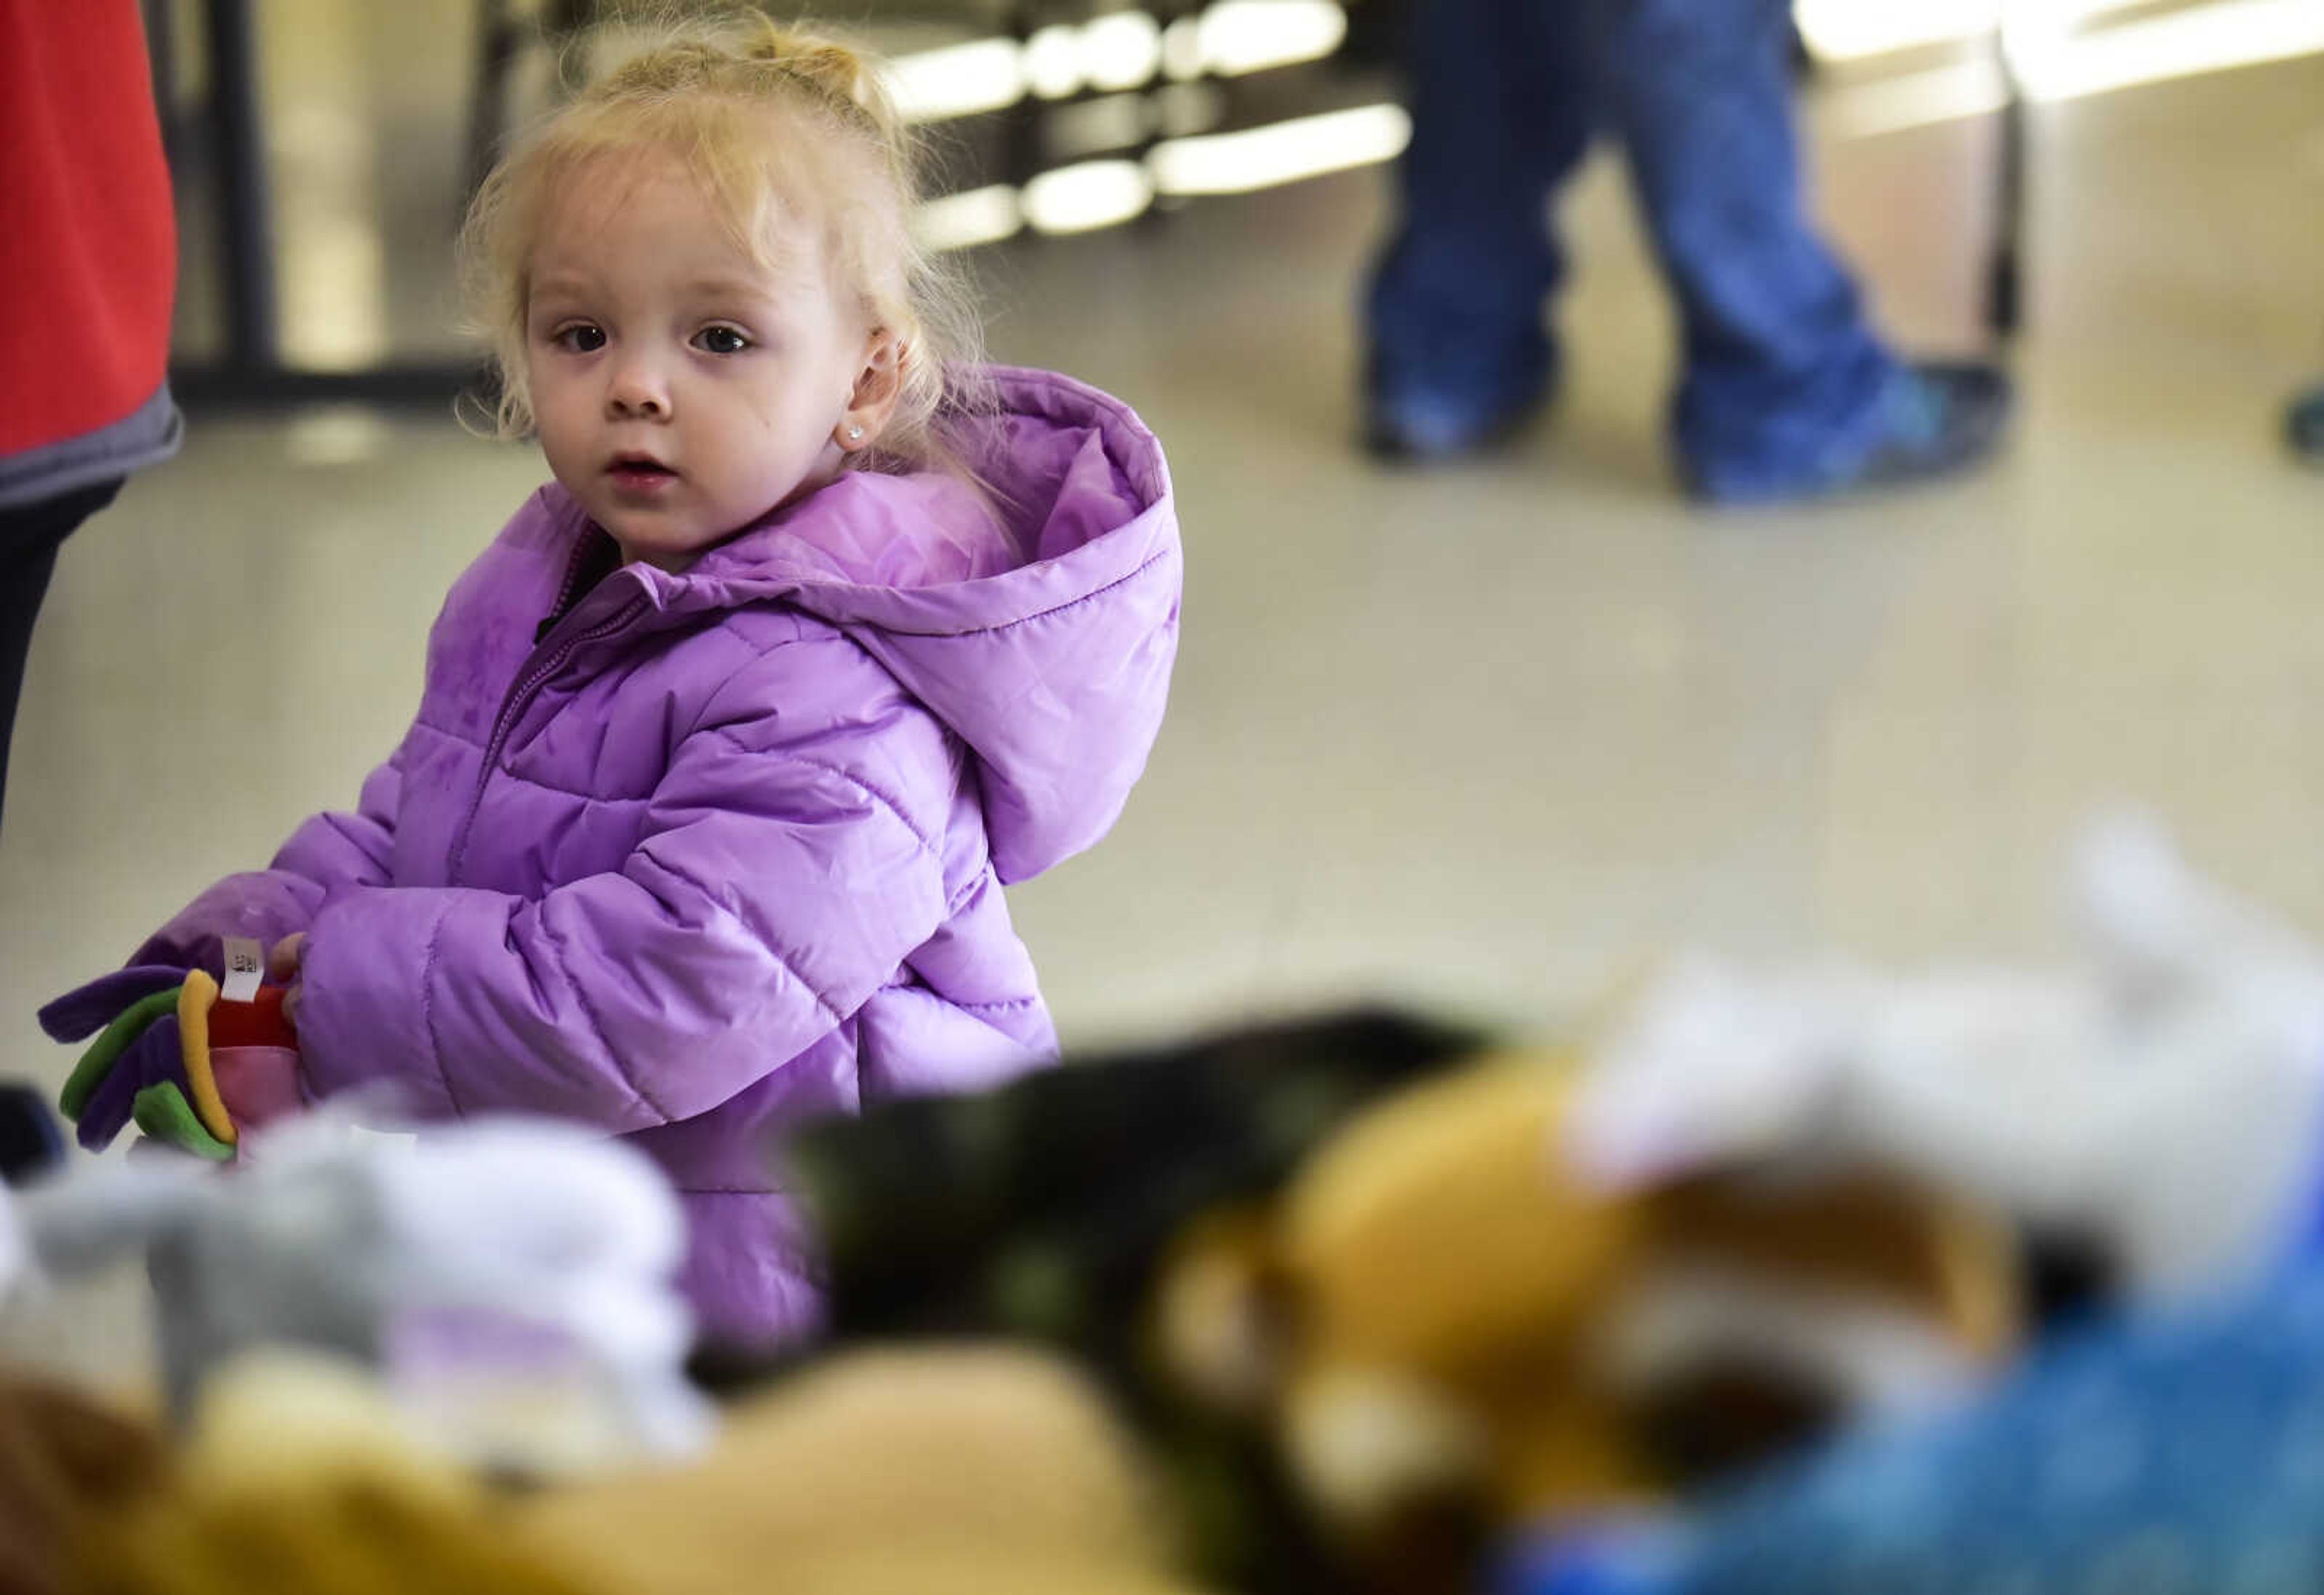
<point x="330" y="854"/>
<point x="781" y="878"/>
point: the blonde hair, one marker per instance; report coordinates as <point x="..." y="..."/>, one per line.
<point x="710" y="93"/>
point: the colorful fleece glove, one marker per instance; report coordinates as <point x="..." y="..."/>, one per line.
<point x="189" y="1069"/>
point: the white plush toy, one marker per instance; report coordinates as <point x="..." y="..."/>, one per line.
<point x="2162" y="1097"/>
<point x="511" y="1281"/>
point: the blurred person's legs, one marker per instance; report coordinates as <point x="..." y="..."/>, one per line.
<point x="1783" y="376"/>
<point x="1500" y="92"/>
<point x="1787" y="390"/>
<point x="30" y="536"/>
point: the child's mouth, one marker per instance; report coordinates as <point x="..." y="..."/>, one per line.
<point x="640" y="472"/>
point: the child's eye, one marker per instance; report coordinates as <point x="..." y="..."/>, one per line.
<point x="721" y="340"/>
<point x="579" y="336"/>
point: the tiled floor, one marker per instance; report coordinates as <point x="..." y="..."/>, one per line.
<point x="1487" y="738"/>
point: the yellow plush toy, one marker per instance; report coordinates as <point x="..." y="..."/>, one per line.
<point x="1448" y="1334"/>
<point x="299" y="1477"/>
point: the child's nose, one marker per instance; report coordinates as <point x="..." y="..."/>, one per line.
<point x="637" y="389"/>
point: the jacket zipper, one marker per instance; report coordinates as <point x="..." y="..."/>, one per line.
<point x="569" y="591"/>
<point x="512" y="707"/>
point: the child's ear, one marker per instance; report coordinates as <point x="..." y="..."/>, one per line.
<point x="879" y="385"/>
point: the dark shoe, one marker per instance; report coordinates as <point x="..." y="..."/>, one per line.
<point x="1422" y="425"/>
<point x="2303" y="426"/>
<point x="1932" y="420"/>
<point x="1939" y="419"/>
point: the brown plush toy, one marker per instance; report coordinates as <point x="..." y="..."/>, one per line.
<point x="66" y="1460"/>
<point x="1449" y="1336"/>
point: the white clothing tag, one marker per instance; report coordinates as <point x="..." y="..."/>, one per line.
<point x="245" y="966"/>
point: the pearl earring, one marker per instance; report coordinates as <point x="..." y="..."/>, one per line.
<point x="856" y="434"/>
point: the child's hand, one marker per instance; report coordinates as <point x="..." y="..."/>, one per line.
<point x="282" y="970"/>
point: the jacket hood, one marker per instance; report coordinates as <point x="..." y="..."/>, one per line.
<point x="1039" y="625"/>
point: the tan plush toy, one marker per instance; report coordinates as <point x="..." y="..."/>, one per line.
<point x="925" y="1471"/>
<point x="935" y="1472"/>
<point x="1449" y="1335"/>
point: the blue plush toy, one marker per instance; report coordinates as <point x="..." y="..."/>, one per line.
<point x="2172" y="1454"/>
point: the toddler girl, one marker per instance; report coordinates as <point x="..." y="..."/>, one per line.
<point x="731" y="740"/>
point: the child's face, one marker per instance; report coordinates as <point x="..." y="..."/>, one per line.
<point x="683" y="388"/>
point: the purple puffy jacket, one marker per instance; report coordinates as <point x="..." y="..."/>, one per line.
<point x="720" y="851"/>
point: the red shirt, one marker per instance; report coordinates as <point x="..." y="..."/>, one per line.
<point x="88" y="246"/>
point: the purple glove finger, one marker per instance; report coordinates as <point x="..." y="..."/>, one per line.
<point x="153" y="1058"/>
<point x="86" y="1009"/>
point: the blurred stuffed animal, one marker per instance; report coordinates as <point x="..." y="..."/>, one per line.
<point x="2162" y="1100"/>
<point x="1040" y="1209"/>
<point x="2177" y="1450"/>
<point x="67" y="1461"/>
<point x="297" y="1476"/>
<point x="512" y="1280"/>
<point x="1337" y="1276"/>
<point x="957" y="1471"/>
<point x="1449" y="1335"/>
<point x="1041" y="1213"/>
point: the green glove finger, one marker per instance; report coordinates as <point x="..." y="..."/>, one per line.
<point x="107" y="1049"/>
<point x="162" y="1112"/>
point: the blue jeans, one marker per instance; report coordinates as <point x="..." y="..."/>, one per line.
<point x="1783" y="380"/>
